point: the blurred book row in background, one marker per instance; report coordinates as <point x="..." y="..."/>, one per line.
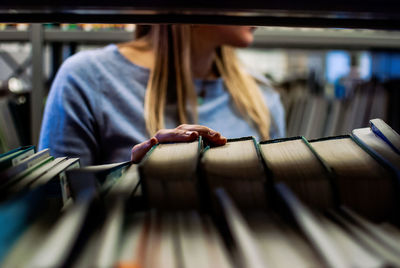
<point x="334" y="79"/>
<point x="69" y="26"/>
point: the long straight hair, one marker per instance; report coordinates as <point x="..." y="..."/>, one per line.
<point x="171" y="80"/>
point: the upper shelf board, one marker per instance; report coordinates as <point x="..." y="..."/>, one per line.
<point x="372" y="14"/>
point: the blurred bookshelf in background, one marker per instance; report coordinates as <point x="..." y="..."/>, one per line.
<point x="330" y="80"/>
<point x="69" y="26"/>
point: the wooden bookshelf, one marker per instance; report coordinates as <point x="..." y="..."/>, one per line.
<point x="383" y="14"/>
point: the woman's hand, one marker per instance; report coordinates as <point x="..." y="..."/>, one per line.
<point x="182" y="133"/>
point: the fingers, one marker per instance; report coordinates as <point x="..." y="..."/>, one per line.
<point x="139" y="150"/>
<point x="183" y="133"/>
<point x="176" y="135"/>
<point x="210" y="135"/>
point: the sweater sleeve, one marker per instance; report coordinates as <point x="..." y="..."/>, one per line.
<point x="69" y="126"/>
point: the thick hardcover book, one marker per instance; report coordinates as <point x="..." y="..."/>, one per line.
<point x="364" y="183"/>
<point x="294" y="162"/>
<point x="127" y="185"/>
<point x="169" y="175"/>
<point x="33" y="176"/>
<point x="386" y="133"/>
<point x="21" y="167"/>
<point x="15" y="156"/>
<point x="377" y="146"/>
<point x="56" y="180"/>
<point x="237" y="168"/>
<point x="26" y="172"/>
<point x="81" y="182"/>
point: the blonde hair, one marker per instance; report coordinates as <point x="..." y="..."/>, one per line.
<point x="171" y="80"/>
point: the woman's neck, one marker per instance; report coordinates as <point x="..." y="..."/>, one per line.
<point x="202" y="60"/>
<point x="138" y="52"/>
<point x="202" y="57"/>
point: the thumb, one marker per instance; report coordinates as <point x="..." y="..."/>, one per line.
<point x="139" y="150"/>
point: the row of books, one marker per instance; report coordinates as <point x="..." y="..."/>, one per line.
<point x="14" y="26"/>
<point x="332" y="202"/>
<point x="314" y="115"/>
<point x="69" y="26"/>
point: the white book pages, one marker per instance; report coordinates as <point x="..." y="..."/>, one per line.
<point x="169" y="174"/>
<point x="236" y="167"/>
<point x="293" y="162"/>
<point x="170" y="161"/>
<point x="356" y="169"/>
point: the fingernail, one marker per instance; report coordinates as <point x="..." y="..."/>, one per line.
<point x="188" y="133"/>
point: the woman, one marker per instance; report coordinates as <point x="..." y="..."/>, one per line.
<point x="104" y="101"/>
